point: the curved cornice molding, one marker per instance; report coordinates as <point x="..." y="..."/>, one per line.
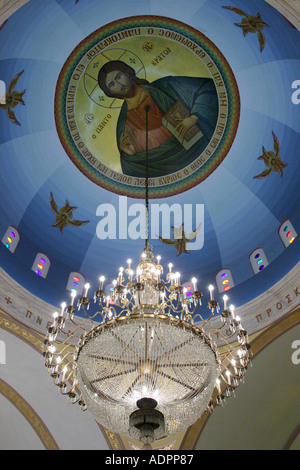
<point x="290" y="9"/>
<point x="30" y="415"/>
<point x="21" y="331"/>
<point x="8" y="7"/>
<point x="292" y="438"/>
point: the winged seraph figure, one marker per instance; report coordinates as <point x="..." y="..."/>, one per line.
<point x="180" y="239"/>
<point x="251" y="24"/>
<point x="64" y="216"/>
<point x="12" y="99"/>
<point x="272" y="160"/>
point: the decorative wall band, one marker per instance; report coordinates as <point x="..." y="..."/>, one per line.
<point x="30" y="415"/>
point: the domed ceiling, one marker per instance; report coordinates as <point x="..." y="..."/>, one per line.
<point x="61" y="140"/>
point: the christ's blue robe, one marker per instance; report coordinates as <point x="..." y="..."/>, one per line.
<point x="199" y="95"/>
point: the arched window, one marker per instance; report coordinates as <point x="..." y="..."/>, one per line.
<point x="258" y="260"/>
<point x="41" y="265"/>
<point x="287" y="233"/>
<point x="224" y="280"/>
<point x="11" y="238"/>
<point x="76" y="283"/>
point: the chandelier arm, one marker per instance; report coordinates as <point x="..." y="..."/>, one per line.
<point x="115" y="314"/>
<point x="220" y="334"/>
<point x="228" y="383"/>
<point x="217" y="400"/>
<point x="71" y="336"/>
<point x="205" y="322"/>
<point x="80" y="325"/>
<point x="55" y="374"/>
<point x="125" y="311"/>
<point x="238" y="365"/>
<point x="60" y="353"/>
<point x="193" y="321"/>
<point x="197" y="304"/>
<point x="65" y="382"/>
<point x="88" y="317"/>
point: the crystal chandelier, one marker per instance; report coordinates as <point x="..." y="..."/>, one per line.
<point x="147" y="360"/>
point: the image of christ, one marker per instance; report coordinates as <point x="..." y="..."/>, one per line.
<point x="166" y="153"/>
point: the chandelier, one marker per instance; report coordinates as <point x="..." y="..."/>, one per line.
<point x="144" y="358"/>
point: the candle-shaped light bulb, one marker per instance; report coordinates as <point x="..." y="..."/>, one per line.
<point x="114" y="282"/>
<point x="225" y="298"/>
<point x="158" y="259"/>
<point x="177" y="279"/>
<point x="86" y="288"/>
<point x="73" y="295"/>
<point x="139" y="273"/>
<point x="65" y="369"/>
<point x="170" y="267"/>
<point x="101" y="279"/>
<point x="63" y="306"/>
<point x="211" y="290"/>
<point x="129" y="263"/>
<point x="194" y="281"/>
<point x="232" y="311"/>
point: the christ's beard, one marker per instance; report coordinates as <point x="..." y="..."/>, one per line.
<point x="129" y="92"/>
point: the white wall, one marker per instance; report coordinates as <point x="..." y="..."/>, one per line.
<point x="25" y="372"/>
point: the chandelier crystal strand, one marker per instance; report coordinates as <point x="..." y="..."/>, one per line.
<point x="147" y="360"/>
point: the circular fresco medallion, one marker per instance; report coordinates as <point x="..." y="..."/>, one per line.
<point x="118" y="70"/>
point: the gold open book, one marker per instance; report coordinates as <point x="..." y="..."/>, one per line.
<point x="173" y="117"/>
